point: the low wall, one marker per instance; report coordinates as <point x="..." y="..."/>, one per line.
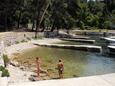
<point x="76" y="47"/>
<point x="80" y="40"/>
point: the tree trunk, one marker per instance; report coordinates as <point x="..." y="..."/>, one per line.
<point x="52" y="28"/>
<point x="44" y="13"/>
<point x="18" y="23"/>
<point x="37" y="24"/>
<point x="43" y="29"/>
<point x="38" y="21"/>
<point x="33" y="25"/>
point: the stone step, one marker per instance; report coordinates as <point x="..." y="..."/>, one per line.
<point x="80" y="40"/>
<point x="90" y="48"/>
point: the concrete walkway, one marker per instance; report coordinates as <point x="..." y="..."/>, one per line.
<point x="79" y="40"/>
<point x="91" y="48"/>
<point x="100" y="80"/>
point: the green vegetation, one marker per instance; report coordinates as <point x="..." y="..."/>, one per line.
<point x="23" y="41"/>
<point x="6" y="59"/>
<point x="38" y="37"/>
<point x="5" y="72"/>
<point x="56" y="14"/>
<point x="17" y="42"/>
<point x="28" y="38"/>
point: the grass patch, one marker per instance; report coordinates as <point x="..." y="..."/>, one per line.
<point x="28" y="38"/>
<point x="23" y="41"/>
<point x="39" y="37"/>
<point x="8" y="44"/>
<point x="17" y="42"/>
<point x="6" y="59"/>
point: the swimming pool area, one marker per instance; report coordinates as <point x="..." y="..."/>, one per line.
<point x="76" y="63"/>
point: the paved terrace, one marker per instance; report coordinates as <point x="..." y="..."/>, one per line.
<point x="99" y="80"/>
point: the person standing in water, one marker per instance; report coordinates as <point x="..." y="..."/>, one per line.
<point x="60" y="67"/>
<point x="39" y="69"/>
<point x="38" y="64"/>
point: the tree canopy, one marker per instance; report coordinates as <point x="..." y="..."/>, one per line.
<point x="56" y="14"/>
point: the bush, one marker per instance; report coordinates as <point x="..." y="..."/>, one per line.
<point x="113" y="12"/>
<point x="82" y="25"/>
<point x="38" y="37"/>
<point x="1" y="68"/>
<point x="28" y="38"/>
<point x="5" y="72"/>
<point x="6" y="59"/>
<point x="17" y="42"/>
<point x="23" y="40"/>
<point x="107" y="24"/>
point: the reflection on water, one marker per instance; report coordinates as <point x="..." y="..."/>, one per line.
<point x="77" y="63"/>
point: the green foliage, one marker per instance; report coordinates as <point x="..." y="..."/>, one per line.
<point x="28" y="38"/>
<point x="82" y="25"/>
<point x="1" y="68"/>
<point x="107" y="24"/>
<point x="17" y="42"/>
<point x="5" y="72"/>
<point x="113" y="12"/>
<point x="23" y="41"/>
<point x="38" y="37"/>
<point x="24" y="18"/>
<point x="56" y="14"/>
<point x="6" y="59"/>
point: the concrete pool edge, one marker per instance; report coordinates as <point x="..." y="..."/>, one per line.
<point x="98" y="80"/>
<point x="79" y="40"/>
<point x="90" y="48"/>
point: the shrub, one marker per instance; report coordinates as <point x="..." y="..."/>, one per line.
<point x="33" y="37"/>
<point x="38" y="37"/>
<point x="23" y="40"/>
<point x="6" y="59"/>
<point x="107" y="24"/>
<point x="82" y="25"/>
<point x="17" y="42"/>
<point x="1" y="68"/>
<point x="5" y="73"/>
<point x="28" y="38"/>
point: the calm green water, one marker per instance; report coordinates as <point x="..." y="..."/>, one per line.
<point x="76" y="63"/>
